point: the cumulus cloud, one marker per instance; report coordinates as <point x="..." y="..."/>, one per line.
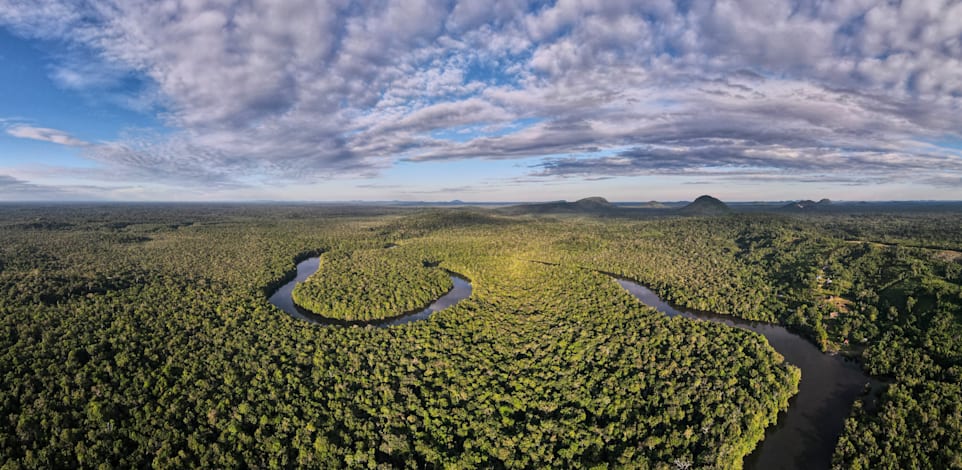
<point x="257" y="90"/>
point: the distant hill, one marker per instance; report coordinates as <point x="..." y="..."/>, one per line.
<point x="705" y="205"/>
<point x="806" y="205"/>
<point x="594" y="204"/>
<point x="588" y="205"/>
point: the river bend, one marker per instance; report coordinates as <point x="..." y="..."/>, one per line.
<point x="283" y="300"/>
<point x="805" y="435"/>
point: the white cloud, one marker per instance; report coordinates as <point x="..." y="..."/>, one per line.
<point x="13" y="188"/>
<point x="262" y="90"/>
<point x="46" y="135"/>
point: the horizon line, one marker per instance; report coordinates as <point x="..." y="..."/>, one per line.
<point x="448" y="201"/>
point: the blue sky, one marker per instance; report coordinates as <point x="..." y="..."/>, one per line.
<point x="504" y="100"/>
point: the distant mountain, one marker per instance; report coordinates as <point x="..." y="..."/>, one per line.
<point x="595" y="203"/>
<point x="588" y="205"/>
<point x="705" y="205"/>
<point x="806" y="205"/>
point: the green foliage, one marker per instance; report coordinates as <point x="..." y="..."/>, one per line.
<point x="176" y="359"/>
<point x="140" y="336"/>
<point x="915" y="427"/>
<point x="371" y="285"/>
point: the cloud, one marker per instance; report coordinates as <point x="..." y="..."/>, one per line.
<point x="16" y="189"/>
<point x="9" y="184"/>
<point x="46" y="135"/>
<point x="945" y="180"/>
<point x="256" y="92"/>
<point x="59" y="184"/>
<point x="756" y="159"/>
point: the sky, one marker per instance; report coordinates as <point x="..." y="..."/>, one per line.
<point x="495" y="100"/>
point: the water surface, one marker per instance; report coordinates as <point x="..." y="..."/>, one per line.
<point x="804" y="437"/>
<point x="283" y="300"/>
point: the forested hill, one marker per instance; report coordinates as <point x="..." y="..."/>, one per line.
<point x="586" y="206"/>
<point x="598" y="206"/>
<point x="705" y="205"/>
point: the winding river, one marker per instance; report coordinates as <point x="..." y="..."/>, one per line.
<point x="282" y="299"/>
<point x="804" y="436"/>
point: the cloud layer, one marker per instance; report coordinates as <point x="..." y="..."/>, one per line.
<point x="256" y="91"/>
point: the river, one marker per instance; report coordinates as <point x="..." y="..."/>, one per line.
<point x="804" y="436"/>
<point x="282" y="299"/>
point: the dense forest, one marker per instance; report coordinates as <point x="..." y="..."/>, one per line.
<point x="371" y="285"/>
<point x="141" y="335"/>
